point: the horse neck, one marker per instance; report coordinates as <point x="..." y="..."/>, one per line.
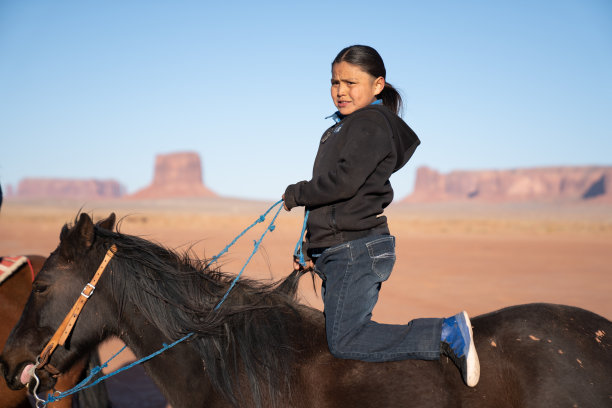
<point x="178" y="372"/>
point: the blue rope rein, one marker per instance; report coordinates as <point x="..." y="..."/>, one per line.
<point x="83" y="384"/>
<point x="255" y="248"/>
<point x="261" y="218"/>
<point x="298" y="246"/>
<point x="95" y="370"/>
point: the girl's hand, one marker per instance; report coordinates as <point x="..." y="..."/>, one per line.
<point x="298" y="267"/>
<point x="285" y="204"/>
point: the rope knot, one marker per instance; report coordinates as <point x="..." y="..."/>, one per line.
<point x="97" y="369"/>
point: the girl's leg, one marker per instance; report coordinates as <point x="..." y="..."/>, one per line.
<point x="353" y="273"/>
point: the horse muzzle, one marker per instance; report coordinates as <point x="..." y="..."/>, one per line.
<point x="12" y="376"/>
<point x="22" y="374"/>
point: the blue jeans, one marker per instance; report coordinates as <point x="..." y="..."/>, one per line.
<point x="352" y="274"/>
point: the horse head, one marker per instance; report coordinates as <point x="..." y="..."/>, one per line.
<point x="54" y="291"/>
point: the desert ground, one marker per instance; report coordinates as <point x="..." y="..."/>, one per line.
<point x="450" y="256"/>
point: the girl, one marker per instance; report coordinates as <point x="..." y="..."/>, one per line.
<point x="348" y="241"/>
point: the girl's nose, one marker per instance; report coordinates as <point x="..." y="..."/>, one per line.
<point x="341" y="89"/>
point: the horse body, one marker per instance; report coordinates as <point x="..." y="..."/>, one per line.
<point x="262" y="348"/>
<point x="536" y="355"/>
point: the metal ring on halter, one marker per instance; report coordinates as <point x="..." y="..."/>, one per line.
<point x="40" y="403"/>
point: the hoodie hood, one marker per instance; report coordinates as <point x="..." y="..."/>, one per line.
<point x="406" y="141"/>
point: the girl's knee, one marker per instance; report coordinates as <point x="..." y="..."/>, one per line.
<point x="341" y="347"/>
<point x="338" y="352"/>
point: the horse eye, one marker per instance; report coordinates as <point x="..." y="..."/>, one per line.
<point x="38" y="287"/>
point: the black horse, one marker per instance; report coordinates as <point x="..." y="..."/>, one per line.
<point x="261" y="348"/>
<point x="14" y="293"/>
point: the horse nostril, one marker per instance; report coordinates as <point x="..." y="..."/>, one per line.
<point x="4" y="370"/>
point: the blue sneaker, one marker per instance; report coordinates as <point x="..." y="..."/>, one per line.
<point x="458" y="345"/>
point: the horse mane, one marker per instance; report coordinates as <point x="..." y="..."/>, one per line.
<point x="245" y="344"/>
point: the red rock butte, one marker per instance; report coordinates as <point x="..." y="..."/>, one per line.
<point x="69" y="188"/>
<point x="589" y="183"/>
<point x="177" y="175"/>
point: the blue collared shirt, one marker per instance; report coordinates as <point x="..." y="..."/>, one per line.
<point x="337" y="116"/>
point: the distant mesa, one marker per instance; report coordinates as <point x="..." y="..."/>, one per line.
<point x="69" y="188"/>
<point x="590" y="183"/>
<point x="177" y="175"/>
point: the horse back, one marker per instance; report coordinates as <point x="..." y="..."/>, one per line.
<point x="540" y="355"/>
<point x="536" y="355"/>
<point x="329" y="382"/>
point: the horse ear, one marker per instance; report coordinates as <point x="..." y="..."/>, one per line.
<point x="108" y="223"/>
<point x="72" y="240"/>
<point x="64" y="233"/>
<point x="83" y="231"/>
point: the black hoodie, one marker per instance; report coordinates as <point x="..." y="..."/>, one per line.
<point x="350" y="185"/>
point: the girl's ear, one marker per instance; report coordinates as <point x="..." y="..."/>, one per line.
<point x="379" y="85"/>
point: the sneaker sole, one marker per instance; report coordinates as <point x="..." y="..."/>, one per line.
<point x="472" y="362"/>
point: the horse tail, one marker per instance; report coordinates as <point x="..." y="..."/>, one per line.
<point x="289" y="285"/>
<point x="96" y="396"/>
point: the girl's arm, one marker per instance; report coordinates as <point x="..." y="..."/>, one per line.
<point x="369" y="143"/>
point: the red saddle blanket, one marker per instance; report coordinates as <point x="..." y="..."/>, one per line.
<point x="9" y="264"/>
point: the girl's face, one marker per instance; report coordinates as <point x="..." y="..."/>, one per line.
<point x="352" y="88"/>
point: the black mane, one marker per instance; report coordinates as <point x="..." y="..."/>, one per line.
<point x="244" y="344"/>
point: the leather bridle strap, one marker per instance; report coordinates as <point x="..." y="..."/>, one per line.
<point x="64" y="330"/>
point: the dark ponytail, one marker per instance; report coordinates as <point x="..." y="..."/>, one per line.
<point x="370" y="61"/>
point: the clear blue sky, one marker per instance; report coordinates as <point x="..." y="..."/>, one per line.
<point x="95" y="89"/>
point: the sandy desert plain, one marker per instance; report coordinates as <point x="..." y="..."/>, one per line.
<point x="450" y="256"/>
